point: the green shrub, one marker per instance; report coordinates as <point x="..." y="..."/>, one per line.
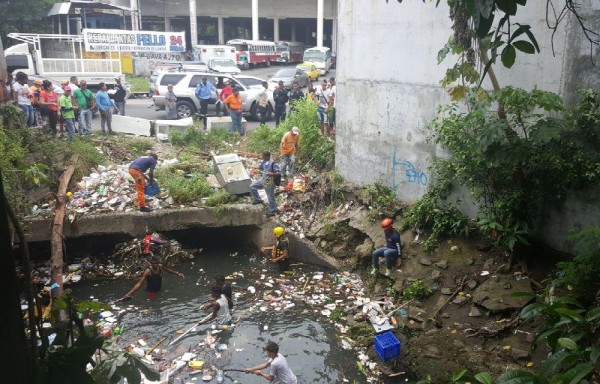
<point x="314" y="148"/>
<point x="416" y="289"/>
<point x="214" y="140"/>
<point x="220" y="198"/>
<point x="139" y="146"/>
<point x="184" y="190"/>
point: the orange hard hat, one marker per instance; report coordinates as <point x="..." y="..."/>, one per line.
<point x="386" y="223"/>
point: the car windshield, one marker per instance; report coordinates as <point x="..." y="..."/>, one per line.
<point x="285" y="73"/>
<point x="249" y="82"/>
<point x="304" y="67"/>
<point x="224" y="62"/>
<point x="314" y="56"/>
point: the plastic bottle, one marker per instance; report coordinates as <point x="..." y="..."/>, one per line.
<point x="220" y="376"/>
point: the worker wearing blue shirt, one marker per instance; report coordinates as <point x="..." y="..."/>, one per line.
<point x="392" y="249"/>
<point x="104" y="103"/>
<point x="204" y="91"/>
<point x="270" y="170"/>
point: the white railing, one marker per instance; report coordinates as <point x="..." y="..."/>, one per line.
<point x="69" y="66"/>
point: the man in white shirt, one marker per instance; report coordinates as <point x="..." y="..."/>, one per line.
<point x="220" y="307"/>
<point x="279" y="368"/>
<point x="324" y="101"/>
<point x="22" y="94"/>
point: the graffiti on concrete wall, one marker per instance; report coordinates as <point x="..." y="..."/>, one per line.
<point x="411" y="173"/>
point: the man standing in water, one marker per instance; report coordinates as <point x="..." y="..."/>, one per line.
<point x="225" y="289"/>
<point x="153" y="278"/>
<point x="279" y="368"/>
<point x="280" y="251"/>
<point x="220" y="308"/>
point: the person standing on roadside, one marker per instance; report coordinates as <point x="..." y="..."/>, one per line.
<point x="203" y="92"/>
<point x="73" y="83"/>
<point x="22" y="94"/>
<point x="84" y="98"/>
<point x="332" y="109"/>
<point x="119" y="96"/>
<point x="67" y="110"/>
<point x="225" y="92"/>
<point x="138" y="170"/>
<point x="105" y="105"/>
<point x="323" y="96"/>
<point x="289" y="151"/>
<point x="278" y="367"/>
<point x="270" y="170"/>
<point x="36" y="90"/>
<point x="263" y="102"/>
<point x="280" y="96"/>
<point x="49" y="101"/>
<point x="391" y="251"/>
<point x="295" y="95"/>
<point x="8" y="88"/>
<point x="234" y="105"/>
<point x="171" y="103"/>
<point x="310" y="92"/>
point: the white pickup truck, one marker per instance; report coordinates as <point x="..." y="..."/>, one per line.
<point x="58" y="57"/>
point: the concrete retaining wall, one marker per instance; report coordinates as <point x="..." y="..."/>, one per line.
<point x="388" y="89"/>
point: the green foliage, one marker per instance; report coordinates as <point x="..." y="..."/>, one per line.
<point x="139" y="146"/>
<point x="338" y="314"/>
<point x="138" y="84"/>
<point x="25" y="16"/>
<point x="362" y="333"/>
<point x="511" y="167"/>
<point x="184" y="190"/>
<point x="314" y="148"/>
<point x="581" y="273"/>
<point x="416" y="289"/>
<point x="214" y="140"/>
<point x="335" y="183"/>
<point x="120" y="365"/>
<point x="88" y="157"/>
<point x="382" y="198"/>
<point x="220" y="198"/>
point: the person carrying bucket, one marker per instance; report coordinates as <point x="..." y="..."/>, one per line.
<point x="280" y="251"/>
<point x="138" y="170"/>
<point x="391" y="251"/>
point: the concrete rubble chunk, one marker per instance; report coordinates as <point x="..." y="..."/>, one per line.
<point x="474" y="312"/>
<point x="425" y="261"/>
<point x="459" y="299"/>
<point x="446" y="291"/>
<point x="488" y="264"/>
<point x="472" y="284"/>
<point x="519" y="354"/>
<point x="493" y="296"/>
<point x="443" y="264"/>
<point x="435" y="274"/>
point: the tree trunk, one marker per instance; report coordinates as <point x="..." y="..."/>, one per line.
<point x="56" y="240"/>
<point x="3" y="73"/>
<point x="484" y="59"/>
<point x="15" y="357"/>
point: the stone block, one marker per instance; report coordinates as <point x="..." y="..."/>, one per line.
<point x="222" y="122"/>
<point x="132" y="125"/>
<point x="164" y="127"/>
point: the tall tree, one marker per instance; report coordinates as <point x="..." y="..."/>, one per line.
<point x="25" y="16"/>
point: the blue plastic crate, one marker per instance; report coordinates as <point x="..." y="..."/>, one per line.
<point x="387" y="345"/>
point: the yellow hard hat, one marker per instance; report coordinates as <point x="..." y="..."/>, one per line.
<point x="69" y="194"/>
<point x="278" y="231"/>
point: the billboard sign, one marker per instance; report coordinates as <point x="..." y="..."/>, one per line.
<point x="116" y="40"/>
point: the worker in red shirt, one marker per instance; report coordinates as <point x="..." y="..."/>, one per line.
<point x="225" y="92"/>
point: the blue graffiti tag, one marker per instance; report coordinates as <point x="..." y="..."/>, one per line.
<point x="411" y="173"/>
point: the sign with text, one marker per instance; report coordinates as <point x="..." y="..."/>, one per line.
<point x="116" y="40"/>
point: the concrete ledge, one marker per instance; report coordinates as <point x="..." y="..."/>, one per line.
<point x="131" y="125"/>
<point x="134" y="223"/>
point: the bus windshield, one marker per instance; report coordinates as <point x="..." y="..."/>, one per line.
<point x="283" y="48"/>
<point x="314" y="56"/>
<point x="240" y="47"/>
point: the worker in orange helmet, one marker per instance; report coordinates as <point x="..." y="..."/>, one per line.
<point x="391" y="251"/>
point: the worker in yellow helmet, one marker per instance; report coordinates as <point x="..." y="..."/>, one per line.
<point x="280" y="251"/>
<point x="392" y="250"/>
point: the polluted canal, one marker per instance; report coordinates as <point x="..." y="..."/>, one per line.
<point x="290" y="310"/>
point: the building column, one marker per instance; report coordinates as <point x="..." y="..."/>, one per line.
<point x="193" y="24"/>
<point x="276" y="29"/>
<point x="221" y="29"/>
<point x="293" y="27"/>
<point x="320" y="6"/>
<point x="255" y="35"/>
<point x="334" y="34"/>
<point x="167" y="24"/>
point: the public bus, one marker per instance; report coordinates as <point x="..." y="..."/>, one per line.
<point x="252" y="53"/>
<point x="320" y="57"/>
<point x="289" y="52"/>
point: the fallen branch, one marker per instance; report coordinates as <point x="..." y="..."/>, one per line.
<point x="437" y="311"/>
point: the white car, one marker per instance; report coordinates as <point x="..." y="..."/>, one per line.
<point x="184" y="86"/>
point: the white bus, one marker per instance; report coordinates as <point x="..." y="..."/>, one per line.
<point x="320" y="57"/>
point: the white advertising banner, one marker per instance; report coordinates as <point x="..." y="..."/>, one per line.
<point x="116" y="40"/>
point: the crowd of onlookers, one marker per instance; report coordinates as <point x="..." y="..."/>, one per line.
<point x="66" y="108"/>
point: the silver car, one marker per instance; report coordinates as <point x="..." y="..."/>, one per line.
<point x="184" y="86"/>
<point x="289" y="76"/>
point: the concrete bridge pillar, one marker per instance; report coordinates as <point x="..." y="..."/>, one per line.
<point x="255" y="35"/>
<point x="320" y="6"/>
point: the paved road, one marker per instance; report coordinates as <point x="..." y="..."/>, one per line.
<point x="142" y="107"/>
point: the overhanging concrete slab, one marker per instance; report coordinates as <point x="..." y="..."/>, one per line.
<point x="131" y="125"/>
<point x="134" y="223"/>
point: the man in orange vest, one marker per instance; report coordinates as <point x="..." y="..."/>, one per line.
<point x="289" y="150"/>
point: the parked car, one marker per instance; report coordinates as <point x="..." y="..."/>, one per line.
<point x="289" y="76"/>
<point x="311" y="71"/>
<point x="184" y="85"/>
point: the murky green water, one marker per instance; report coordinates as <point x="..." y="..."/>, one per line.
<point x="310" y="344"/>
